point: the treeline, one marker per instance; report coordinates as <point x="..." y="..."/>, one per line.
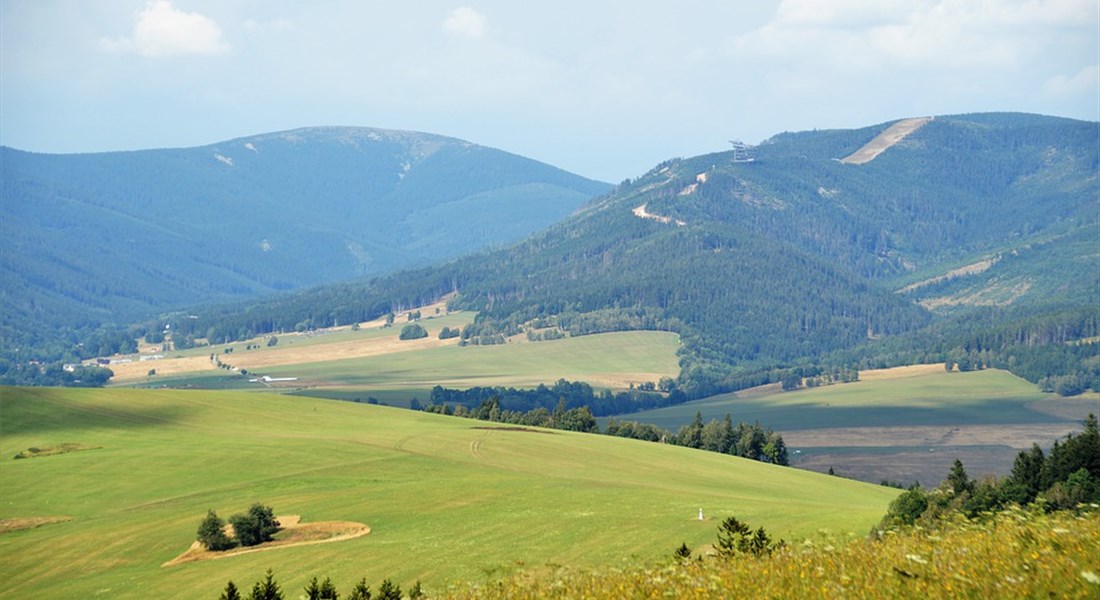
<point x="574" y="394"/>
<point x="1053" y="349"/>
<point x="1063" y="478"/>
<point x="747" y="441"/>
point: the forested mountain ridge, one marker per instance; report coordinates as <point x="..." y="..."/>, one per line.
<point x="783" y="260"/>
<point x="114" y="237"/>
<point x="789" y="262"/>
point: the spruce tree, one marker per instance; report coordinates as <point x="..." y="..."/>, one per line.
<point x="389" y="590"/>
<point x="267" y="589"/>
<point x="958" y="479"/>
<point x="211" y="533"/>
<point x="230" y="592"/>
<point x="361" y="591"/>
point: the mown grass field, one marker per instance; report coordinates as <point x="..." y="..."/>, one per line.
<point x="445" y="499"/>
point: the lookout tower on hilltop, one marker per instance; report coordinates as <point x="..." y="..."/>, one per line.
<point x="742" y="152"/>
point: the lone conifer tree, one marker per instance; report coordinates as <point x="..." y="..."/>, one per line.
<point x="266" y="589"/>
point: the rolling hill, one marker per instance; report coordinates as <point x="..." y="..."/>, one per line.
<point x="119" y="236"/>
<point x="122" y="478"/>
<point x="788" y="259"/>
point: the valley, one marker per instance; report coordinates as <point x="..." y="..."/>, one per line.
<point x="875" y="304"/>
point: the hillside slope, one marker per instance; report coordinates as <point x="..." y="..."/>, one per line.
<point x="115" y="236"/>
<point x="446" y="499"/>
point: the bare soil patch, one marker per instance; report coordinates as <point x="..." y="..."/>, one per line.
<point x="293" y="533"/>
<point x="21" y="523"/>
<point x="642" y="213"/>
<point x="928" y="468"/>
<point x="893" y="134"/>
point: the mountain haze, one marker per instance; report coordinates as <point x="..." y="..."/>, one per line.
<point x="780" y="260"/>
<point x="115" y="236"/>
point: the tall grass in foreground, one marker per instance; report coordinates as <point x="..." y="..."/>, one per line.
<point x="1014" y="554"/>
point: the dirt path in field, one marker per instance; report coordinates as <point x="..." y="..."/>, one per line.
<point x="297" y="534"/>
<point x="893" y="134"/>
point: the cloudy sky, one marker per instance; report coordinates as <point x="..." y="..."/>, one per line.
<point x="604" y="89"/>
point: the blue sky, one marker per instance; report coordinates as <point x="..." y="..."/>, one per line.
<point x="604" y="89"/>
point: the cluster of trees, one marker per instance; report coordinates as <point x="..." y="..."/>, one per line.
<point x="735" y="539"/>
<point x="575" y="394"/>
<point x="447" y="333"/>
<point x="1065" y="477"/>
<point x="747" y="441"/>
<point x="252" y="528"/>
<point x="268" y="589"/>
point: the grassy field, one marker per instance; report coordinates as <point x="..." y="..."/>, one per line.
<point x="445" y="499"/>
<point x="905" y="424"/>
<point x="381" y="365"/>
<point x="603" y="360"/>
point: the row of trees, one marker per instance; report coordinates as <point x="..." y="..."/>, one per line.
<point x="567" y="419"/>
<point x="269" y="589"/>
<point x="747" y="441"/>
<point x="575" y="394"/>
<point x="1065" y="477"/>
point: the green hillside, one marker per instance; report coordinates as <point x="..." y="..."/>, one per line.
<point x="445" y="499"/>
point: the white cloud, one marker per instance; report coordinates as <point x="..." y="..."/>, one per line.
<point x="466" y="22"/>
<point x="1087" y="80"/>
<point x="881" y="34"/>
<point x="162" y="30"/>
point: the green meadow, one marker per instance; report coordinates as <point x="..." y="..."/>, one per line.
<point x="599" y="359"/>
<point x="447" y="499"/>
<point x="932" y="397"/>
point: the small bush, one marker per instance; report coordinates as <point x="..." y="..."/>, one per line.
<point x="413" y="332"/>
